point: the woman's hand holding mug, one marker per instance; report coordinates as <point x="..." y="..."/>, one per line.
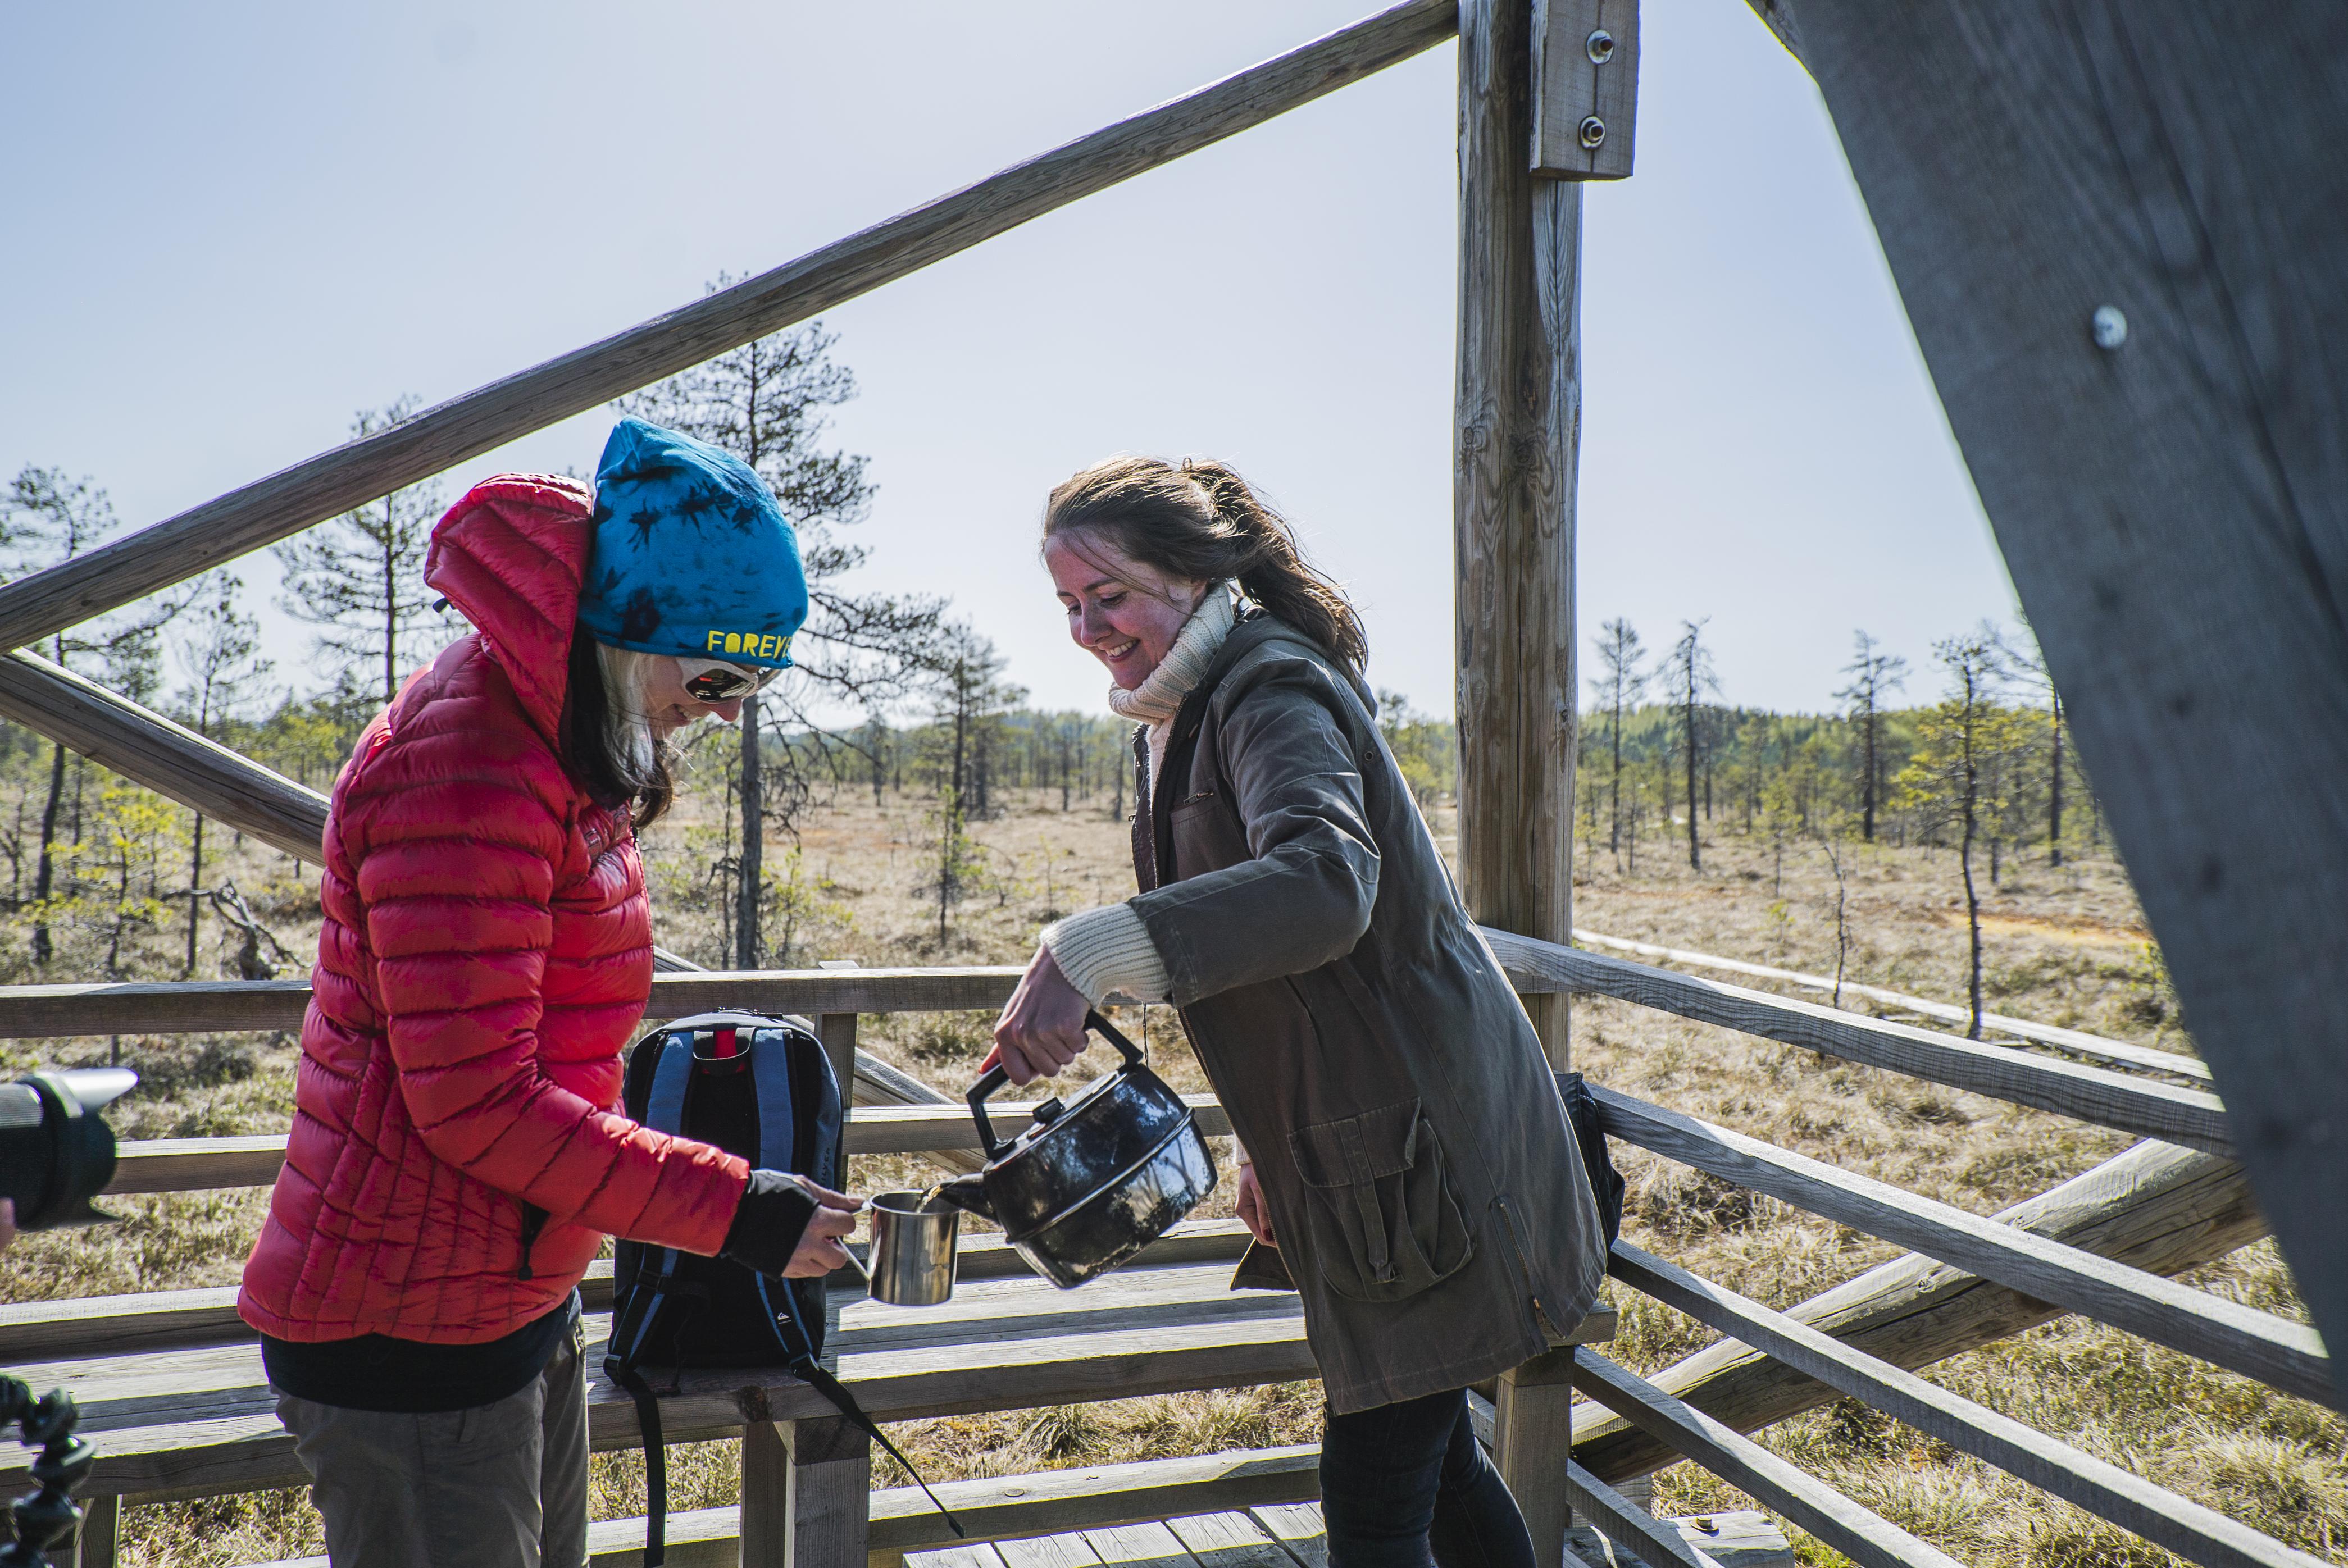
<point x="820" y="1250"/>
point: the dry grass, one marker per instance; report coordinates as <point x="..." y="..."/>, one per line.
<point x="2066" y="947"/>
<point x="2062" y="946"/>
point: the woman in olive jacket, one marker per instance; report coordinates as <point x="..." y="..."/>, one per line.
<point x="1409" y="1166"/>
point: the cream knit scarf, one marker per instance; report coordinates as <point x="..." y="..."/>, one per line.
<point x="1157" y="700"/>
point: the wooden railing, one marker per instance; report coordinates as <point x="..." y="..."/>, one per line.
<point x="1519" y="394"/>
<point x="2031" y="1266"/>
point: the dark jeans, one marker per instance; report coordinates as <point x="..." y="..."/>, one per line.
<point x="1406" y="1483"/>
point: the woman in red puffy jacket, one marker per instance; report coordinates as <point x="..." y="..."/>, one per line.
<point x="457" y="1154"/>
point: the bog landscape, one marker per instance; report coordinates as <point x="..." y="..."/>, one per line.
<point x="1961" y="1221"/>
<point x="1837" y="845"/>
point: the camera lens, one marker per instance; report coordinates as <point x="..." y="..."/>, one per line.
<point x="20" y="1106"/>
<point x="56" y="1152"/>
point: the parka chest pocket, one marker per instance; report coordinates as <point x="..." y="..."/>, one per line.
<point x="1385" y="1224"/>
<point x="1208" y="836"/>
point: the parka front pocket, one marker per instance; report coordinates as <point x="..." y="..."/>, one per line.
<point x="1385" y="1224"/>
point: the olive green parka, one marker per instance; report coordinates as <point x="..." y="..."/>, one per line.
<point x="1425" y="1191"/>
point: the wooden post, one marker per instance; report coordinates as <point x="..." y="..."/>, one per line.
<point x="100" y="1538"/>
<point x="1532" y="1421"/>
<point x="837" y="1032"/>
<point x="1518" y="417"/>
<point x="806" y="1493"/>
<point x="1518" y="424"/>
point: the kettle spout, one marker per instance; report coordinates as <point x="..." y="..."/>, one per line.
<point x="968" y="1192"/>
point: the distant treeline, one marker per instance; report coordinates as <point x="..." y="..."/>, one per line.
<point x="1807" y="775"/>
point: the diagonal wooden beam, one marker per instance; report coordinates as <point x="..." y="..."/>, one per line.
<point x="487" y="417"/>
<point x="2120" y="230"/>
<point x="169" y="759"/>
<point x="2197" y="1533"/>
<point x="2276" y="1351"/>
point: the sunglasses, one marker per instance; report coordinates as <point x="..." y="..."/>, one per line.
<point x="714" y="680"/>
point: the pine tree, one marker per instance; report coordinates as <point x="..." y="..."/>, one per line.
<point x="966" y="697"/>
<point x="220" y="654"/>
<point x="1691" y="673"/>
<point x="360" y="576"/>
<point x="46" y="518"/>
<point x="764" y="403"/>
<point x="1619" y="685"/>
<point x="1958" y="769"/>
<point x="1872" y="675"/>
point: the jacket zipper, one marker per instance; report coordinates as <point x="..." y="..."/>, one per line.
<point x="1517" y="1246"/>
<point x="533" y="1220"/>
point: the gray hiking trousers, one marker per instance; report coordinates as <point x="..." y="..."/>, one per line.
<point x="502" y="1485"/>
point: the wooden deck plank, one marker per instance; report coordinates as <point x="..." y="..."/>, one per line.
<point x="171" y="1319"/>
<point x="1096" y="1496"/>
<point x="137" y="1388"/>
<point x="696" y="1538"/>
<point x="980" y="1555"/>
<point x="157" y="1408"/>
<point x="1068" y="1550"/>
<point x="1231" y="1540"/>
<point x="190" y="1420"/>
<point x="1298" y="1529"/>
<point x="1145" y="1545"/>
<point x="1036" y="1510"/>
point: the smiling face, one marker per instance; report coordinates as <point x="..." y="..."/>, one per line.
<point x="669" y="707"/>
<point x="1125" y="614"/>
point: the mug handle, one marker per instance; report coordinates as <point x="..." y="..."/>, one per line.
<point x="995" y="1077"/>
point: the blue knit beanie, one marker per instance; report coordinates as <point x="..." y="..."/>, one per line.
<point x="691" y="555"/>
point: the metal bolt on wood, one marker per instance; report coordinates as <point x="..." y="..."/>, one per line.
<point x="1600" y="47"/>
<point x="2109" y="326"/>
<point x="1593" y="132"/>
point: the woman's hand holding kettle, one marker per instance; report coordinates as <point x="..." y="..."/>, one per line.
<point x="1042" y="1029"/>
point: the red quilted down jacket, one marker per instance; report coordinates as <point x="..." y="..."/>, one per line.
<point x="487" y="953"/>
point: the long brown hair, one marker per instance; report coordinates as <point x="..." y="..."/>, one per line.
<point x="605" y="747"/>
<point x="1199" y="521"/>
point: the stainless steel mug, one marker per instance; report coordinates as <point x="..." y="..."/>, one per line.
<point x="911" y="1262"/>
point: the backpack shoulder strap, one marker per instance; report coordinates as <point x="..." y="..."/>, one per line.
<point x="664" y="1098"/>
<point x="771" y="1050"/>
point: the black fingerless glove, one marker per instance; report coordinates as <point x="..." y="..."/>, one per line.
<point x="767" y="1226"/>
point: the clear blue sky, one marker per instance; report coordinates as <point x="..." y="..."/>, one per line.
<point x="231" y="226"/>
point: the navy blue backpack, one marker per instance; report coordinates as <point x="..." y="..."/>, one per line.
<point x="761" y="1088"/>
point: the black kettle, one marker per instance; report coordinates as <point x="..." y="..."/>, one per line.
<point x="1090" y="1182"/>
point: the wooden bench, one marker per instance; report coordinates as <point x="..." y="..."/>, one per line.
<point x="174" y="1395"/>
<point x="175" y="1398"/>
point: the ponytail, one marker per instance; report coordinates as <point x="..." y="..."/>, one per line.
<point x="1200" y="523"/>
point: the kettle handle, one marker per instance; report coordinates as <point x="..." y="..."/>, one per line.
<point x="995" y="1077"/>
